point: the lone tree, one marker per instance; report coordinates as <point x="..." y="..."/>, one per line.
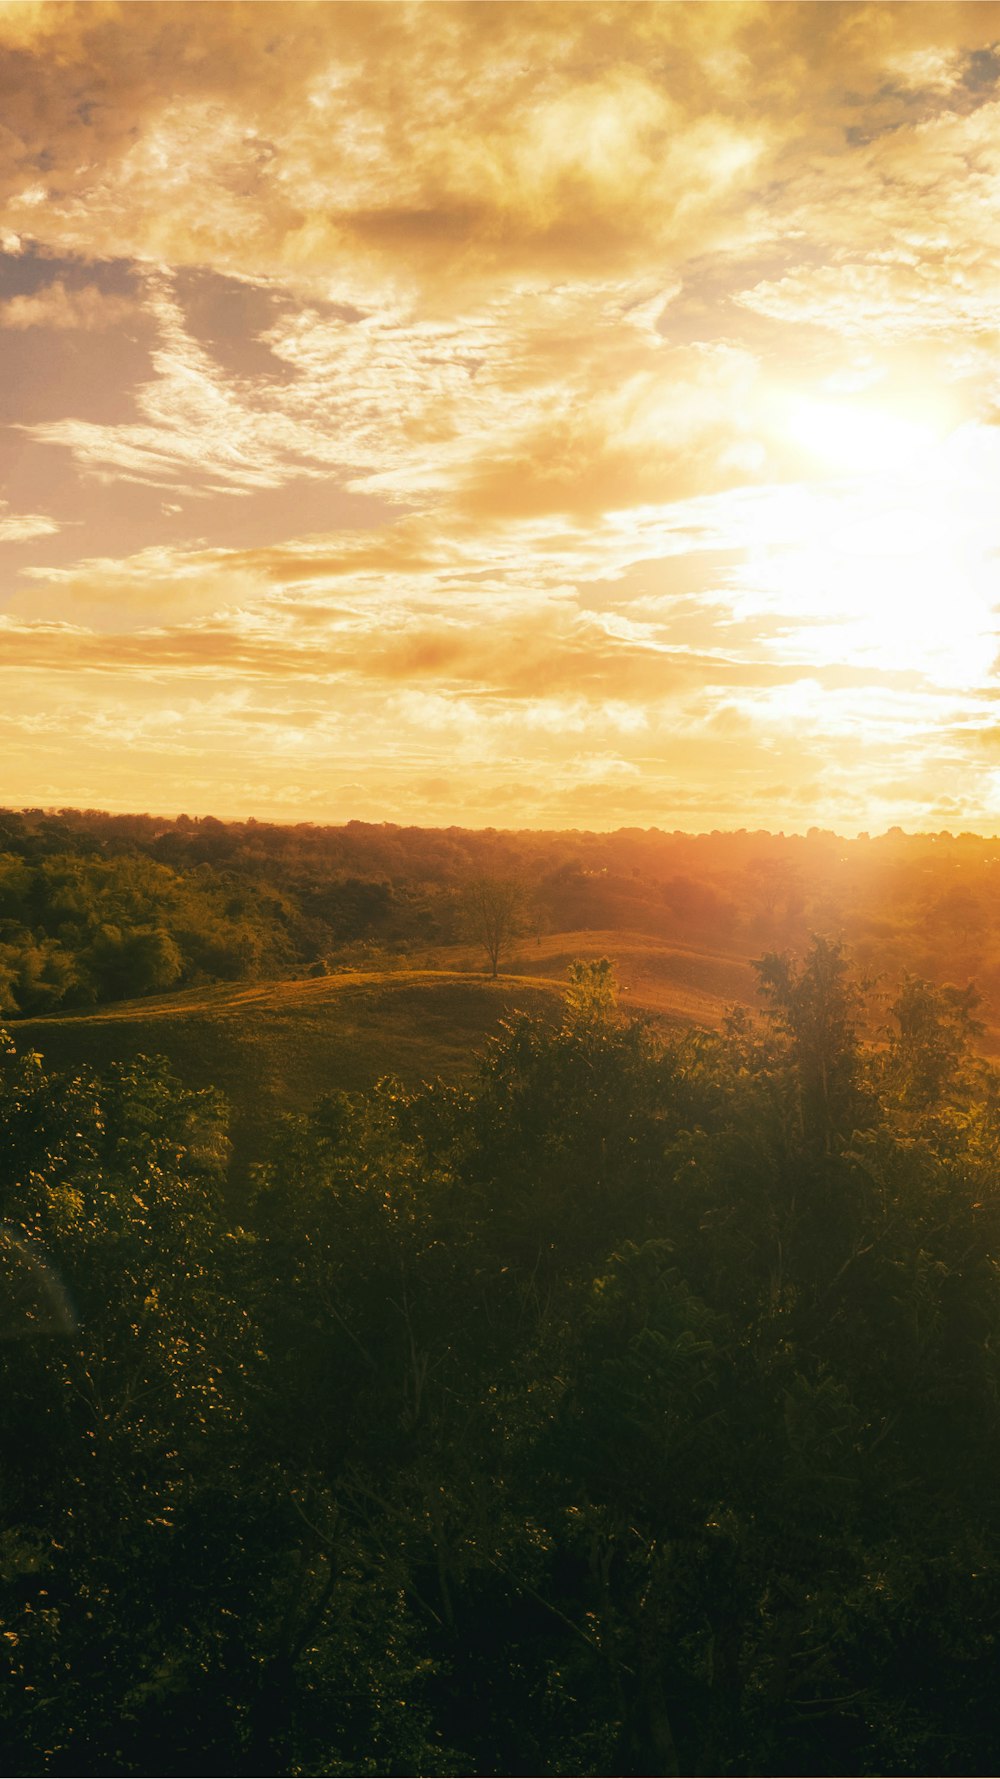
<point x="494" y="909"/>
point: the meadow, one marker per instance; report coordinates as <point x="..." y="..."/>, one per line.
<point x="276" y="1046"/>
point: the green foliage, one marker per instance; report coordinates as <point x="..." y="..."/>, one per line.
<point x="244" y="900"/>
<point x="932" y="1042"/>
<point x="592" y="994"/>
<point x="36" y="976"/>
<point x="633" y="1408"/>
<point x="139" y="961"/>
<point x="817" y="1005"/>
<point x="76" y="931"/>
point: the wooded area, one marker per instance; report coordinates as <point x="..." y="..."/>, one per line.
<point x="634" y="1409"/>
<point x="96" y="907"/>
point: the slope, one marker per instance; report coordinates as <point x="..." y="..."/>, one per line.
<point x="275" y="1046"/>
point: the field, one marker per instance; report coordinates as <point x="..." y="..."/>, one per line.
<point x="275" y="1046"/>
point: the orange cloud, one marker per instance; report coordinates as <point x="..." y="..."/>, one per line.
<point x="86" y="308"/>
<point x="529" y="432"/>
<point x="498" y="140"/>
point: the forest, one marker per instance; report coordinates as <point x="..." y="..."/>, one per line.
<point x="96" y="908"/>
<point x="629" y="1407"/>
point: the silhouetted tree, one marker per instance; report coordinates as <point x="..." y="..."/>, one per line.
<point x="494" y="909"/>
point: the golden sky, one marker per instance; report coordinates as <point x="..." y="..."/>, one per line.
<point x="551" y="415"/>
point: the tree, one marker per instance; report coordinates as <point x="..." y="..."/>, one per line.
<point x="817" y="1006"/>
<point x="134" y="960"/>
<point x="596" y="1416"/>
<point x="494" y="910"/>
<point x="592" y="995"/>
<point x="936" y="1030"/>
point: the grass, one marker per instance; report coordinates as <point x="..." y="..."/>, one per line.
<point x="274" y="1047"/>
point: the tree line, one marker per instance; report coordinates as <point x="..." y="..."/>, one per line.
<point x="97" y="907"/>
<point x="634" y="1409"/>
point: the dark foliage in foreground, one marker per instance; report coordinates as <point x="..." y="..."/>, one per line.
<point x="634" y="1412"/>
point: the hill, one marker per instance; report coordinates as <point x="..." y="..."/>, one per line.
<point x="98" y="909"/>
<point x="275" y="1046"/>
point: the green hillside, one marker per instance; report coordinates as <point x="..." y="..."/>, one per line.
<point x="276" y="1046"/>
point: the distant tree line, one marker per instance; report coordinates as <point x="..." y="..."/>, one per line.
<point x="97" y="907"/>
<point x="633" y="1410"/>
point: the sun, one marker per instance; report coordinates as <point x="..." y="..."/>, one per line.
<point x="880" y="555"/>
<point x="861" y="437"/>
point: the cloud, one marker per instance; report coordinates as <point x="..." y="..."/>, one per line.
<point x="16" y="528"/>
<point x="87" y="308"/>
<point x="241" y="714"/>
<point x="201" y="432"/>
<point x="556" y="401"/>
<point x="516" y="397"/>
<point x="883" y="297"/>
<point x="659" y="431"/>
<point x="902" y="233"/>
<point x="375" y="153"/>
<point x="287" y="140"/>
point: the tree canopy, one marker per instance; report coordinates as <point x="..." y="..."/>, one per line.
<point x="634" y="1409"/>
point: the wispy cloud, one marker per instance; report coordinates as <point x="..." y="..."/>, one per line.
<point x="16" y="528"/>
<point x="200" y="432"/>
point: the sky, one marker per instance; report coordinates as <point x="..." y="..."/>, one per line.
<point x="560" y="416"/>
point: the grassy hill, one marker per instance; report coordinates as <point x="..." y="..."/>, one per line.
<point x="276" y="1046"/>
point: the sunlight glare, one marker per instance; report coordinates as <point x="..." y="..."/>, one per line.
<point x="858" y="437"/>
<point x="898" y="580"/>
